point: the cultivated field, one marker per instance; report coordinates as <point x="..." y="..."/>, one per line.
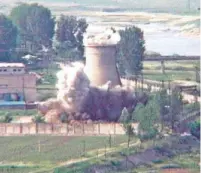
<point x="45" y="152"/>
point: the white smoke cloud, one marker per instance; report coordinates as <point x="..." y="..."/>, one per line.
<point x="109" y="37"/>
<point x="73" y="86"/>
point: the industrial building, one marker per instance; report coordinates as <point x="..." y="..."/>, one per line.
<point x="16" y="85"/>
<point x="101" y="64"/>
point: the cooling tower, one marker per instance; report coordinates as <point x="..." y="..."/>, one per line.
<point x="101" y="64"/>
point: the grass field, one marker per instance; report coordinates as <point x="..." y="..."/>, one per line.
<point x="17" y="112"/>
<point x="174" y="70"/>
<point x="188" y="162"/>
<point x="45" y="152"/>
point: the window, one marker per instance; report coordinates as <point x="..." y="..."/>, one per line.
<point x="0" y="70"/>
<point x="5" y="70"/>
<point x="19" y="70"/>
<point x="14" y="70"/>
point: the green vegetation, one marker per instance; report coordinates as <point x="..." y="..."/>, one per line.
<point x="6" y="119"/>
<point x="38" y="119"/>
<point x="35" y="24"/>
<point x="188" y="161"/>
<point x="195" y="129"/>
<point x="17" y="168"/>
<point x="69" y="35"/>
<point x="174" y="70"/>
<point x="17" y="112"/>
<point x="44" y="153"/>
<point x="148" y="118"/>
<point x="130" y="52"/>
<point x="53" y="149"/>
<point x="8" y="36"/>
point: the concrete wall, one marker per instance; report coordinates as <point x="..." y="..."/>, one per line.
<point x="7" y="129"/>
<point x="101" y="64"/>
<point x="25" y="83"/>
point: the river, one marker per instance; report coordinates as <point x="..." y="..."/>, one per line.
<point x="158" y="37"/>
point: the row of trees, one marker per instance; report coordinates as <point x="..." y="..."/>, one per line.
<point x="162" y="110"/>
<point x="33" y="27"/>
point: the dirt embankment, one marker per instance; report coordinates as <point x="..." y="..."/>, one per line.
<point x="170" y="147"/>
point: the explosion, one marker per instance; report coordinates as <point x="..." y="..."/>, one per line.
<point x="73" y="86"/>
<point x="109" y="37"/>
<point x="77" y="99"/>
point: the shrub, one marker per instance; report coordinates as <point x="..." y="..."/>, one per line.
<point x="158" y="161"/>
<point x="64" y="117"/>
<point x="148" y="135"/>
<point x="6" y="119"/>
<point x="170" y="166"/>
<point x="38" y="119"/>
<point x="195" y="129"/>
<point x="115" y="163"/>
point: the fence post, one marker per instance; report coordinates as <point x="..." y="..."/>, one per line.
<point x="5" y="125"/>
<point x="52" y="127"/>
<point x="99" y="128"/>
<point x="67" y="128"/>
<point x="110" y="141"/>
<point x="105" y="150"/>
<point x="20" y="128"/>
<point x="83" y="128"/>
<point x="84" y="148"/>
<point x="114" y="128"/>
<point x="74" y="128"/>
<point x="162" y="84"/>
<point x="39" y="146"/>
<point x="36" y="127"/>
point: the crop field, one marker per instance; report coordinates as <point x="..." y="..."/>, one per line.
<point x="174" y="70"/>
<point x="45" y="152"/>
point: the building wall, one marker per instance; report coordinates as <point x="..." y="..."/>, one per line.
<point x="12" y="70"/>
<point x="101" y="64"/>
<point x="24" y="83"/>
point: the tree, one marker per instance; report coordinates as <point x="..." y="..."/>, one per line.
<point x="126" y="119"/>
<point x="163" y="102"/>
<point x="175" y="107"/>
<point x="8" y="36"/>
<point x="130" y="52"/>
<point x="35" y="24"/>
<point x="195" y="129"/>
<point x="69" y="34"/>
<point x="148" y="118"/>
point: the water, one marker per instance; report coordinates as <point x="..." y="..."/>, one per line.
<point x="159" y="37"/>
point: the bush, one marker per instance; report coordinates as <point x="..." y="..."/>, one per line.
<point x="115" y="163"/>
<point x="6" y="119"/>
<point x="64" y="117"/>
<point x="195" y="129"/>
<point x="148" y="135"/>
<point x="170" y="166"/>
<point x="38" y="119"/>
<point x="157" y="161"/>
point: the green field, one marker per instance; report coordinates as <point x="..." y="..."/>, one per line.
<point x="188" y="162"/>
<point x="174" y="70"/>
<point x="47" y="152"/>
<point x="64" y="154"/>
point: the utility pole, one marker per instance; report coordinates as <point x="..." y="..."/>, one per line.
<point x="189" y="5"/>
